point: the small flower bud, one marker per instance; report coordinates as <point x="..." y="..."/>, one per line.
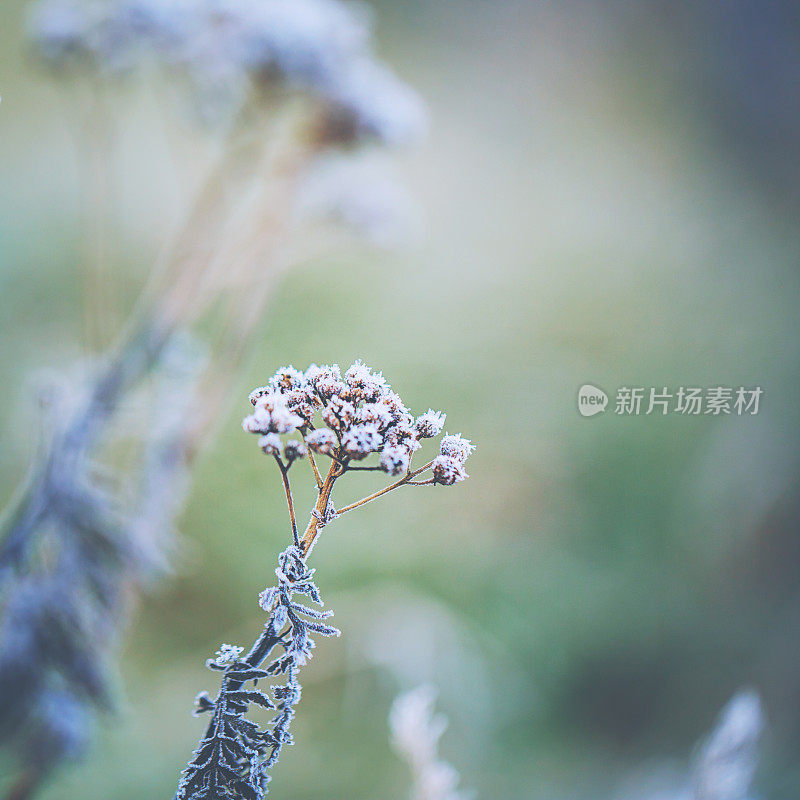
<point x="294" y="449"/>
<point x="322" y="440"/>
<point x="395" y="460"/>
<point x="338" y="413"/>
<point x="258" y="393"/>
<point x="374" y="414"/>
<point x="286" y="379"/>
<point x="456" y="447"/>
<point x="258" y="422"/>
<point x="271" y="444"/>
<point x="283" y="420"/>
<point x="430" y="424"/>
<point x="361" y="440"/>
<point x="403" y="435"/>
<point x="447" y="470"/>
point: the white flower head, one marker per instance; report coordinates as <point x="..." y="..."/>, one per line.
<point x="284" y="420"/>
<point x="286" y="379"/>
<point x="455" y="446"/>
<point x="258" y="422"/>
<point x="322" y="440"/>
<point x="294" y="449"/>
<point x="447" y="470"/>
<point x="430" y="423"/>
<point x="395" y="460"/>
<point x="361" y="440"/>
<point x="271" y="444"/>
<point x="366" y="384"/>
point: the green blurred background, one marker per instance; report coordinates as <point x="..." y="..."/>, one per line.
<point x="599" y="205"/>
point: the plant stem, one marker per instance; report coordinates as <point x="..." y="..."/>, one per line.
<point x="321" y="507"/>
<point x="289" y="501"/>
<point x="313" y="463"/>
<point x="404" y="480"/>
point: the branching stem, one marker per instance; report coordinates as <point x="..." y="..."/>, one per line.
<point x="288" y="490"/>
<point x="404" y="480"/>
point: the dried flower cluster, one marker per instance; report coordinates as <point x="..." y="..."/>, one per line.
<point x="363" y="417"/>
<point x="416" y="731"/>
<point x="321" y="47"/>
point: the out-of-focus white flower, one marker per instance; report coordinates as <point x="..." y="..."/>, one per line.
<point x="727" y="760"/>
<point x="270" y="444"/>
<point x="362" y="193"/>
<point x="416" y="731"/>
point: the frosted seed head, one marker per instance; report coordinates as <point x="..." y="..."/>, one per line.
<point x="286" y="379"/>
<point x="374" y="414"/>
<point x="270" y="444"/>
<point x="405" y="435"/>
<point x="299" y="402"/>
<point x="395" y="460"/>
<point x="455" y="446"/>
<point x="315" y="374"/>
<point x="447" y="470"/>
<point x="338" y="413"/>
<point x="259" y="392"/>
<point x="430" y="424"/>
<point x="361" y="440"/>
<point x="259" y="421"/>
<point x="322" y="440"/>
<point x="294" y="449"/>
<point x="283" y="420"/>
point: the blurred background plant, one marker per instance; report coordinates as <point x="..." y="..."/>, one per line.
<point x="288" y="85"/>
<point x="606" y="197"/>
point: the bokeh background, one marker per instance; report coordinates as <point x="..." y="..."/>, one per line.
<point x="609" y="195"/>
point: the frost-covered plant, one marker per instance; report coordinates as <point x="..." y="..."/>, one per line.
<point x="299" y="84"/>
<point x="72" y="555"/>
<point x="363" y="418"/>
<point x="320" y="47"/>
<point x="416" y="731"/>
